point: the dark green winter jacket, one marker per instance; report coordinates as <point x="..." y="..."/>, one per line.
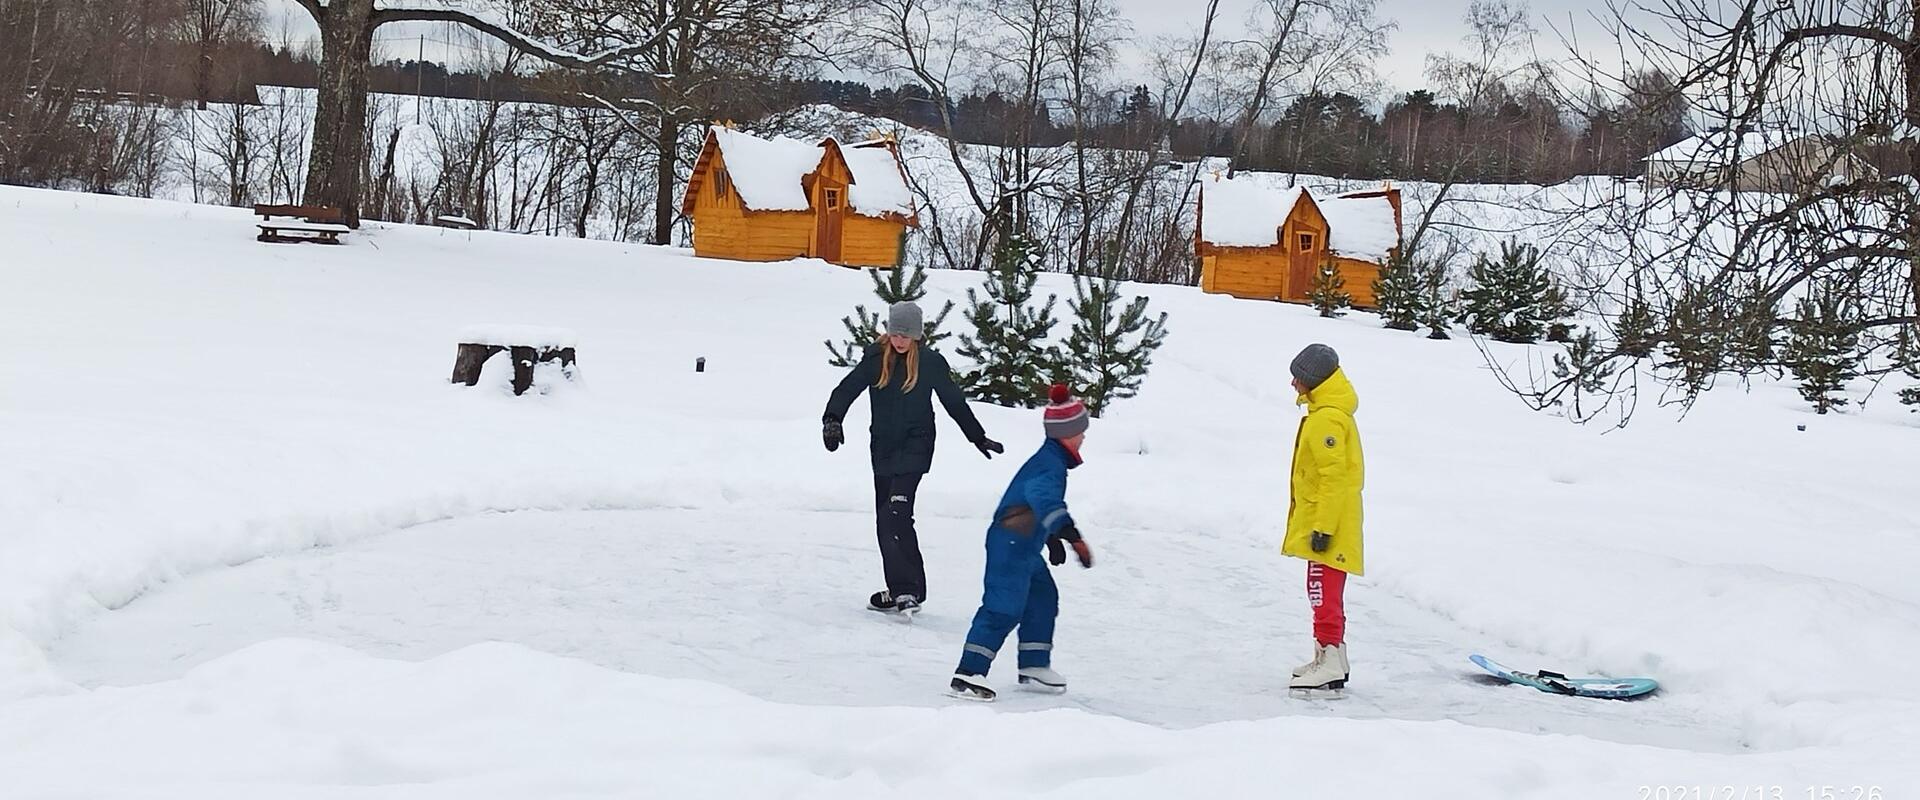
<point x="902" y="426"/>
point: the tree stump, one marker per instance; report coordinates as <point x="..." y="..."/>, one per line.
<point x="526" y="347"/>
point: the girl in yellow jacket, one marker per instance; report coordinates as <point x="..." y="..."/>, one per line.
<point x="1323" y="521"/>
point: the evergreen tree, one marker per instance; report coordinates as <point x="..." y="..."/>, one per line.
<point x="1398" y="293"/>
<point x="865" y="327"/>
<point x="1513" y="298"/>
<point x="1110" y="347"/>
<point x="1012" y="361"/>
<point x="1908" y="355"/>
<point x="1329" y="292"/>
<point x="1558" y="313"/>
<point x="1751" y="323"/>
<point x="1586" y="365"/>
<point x="1822" y="347"/>
<point x="1634" y="328"/>
<point x="1438" y="306"/>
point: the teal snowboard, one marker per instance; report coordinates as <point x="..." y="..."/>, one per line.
<point x="1556" y="683"/>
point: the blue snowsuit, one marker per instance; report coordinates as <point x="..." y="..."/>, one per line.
<point x="1019" y="588"/>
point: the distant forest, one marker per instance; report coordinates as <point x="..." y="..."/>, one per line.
<point x="1413" y="136"/>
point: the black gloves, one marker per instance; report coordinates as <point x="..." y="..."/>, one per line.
<point x="1057" y="552"/>
<point x="832" y="433"/>
<point x="989" y="447"/>
<point x="1321" y="542"/>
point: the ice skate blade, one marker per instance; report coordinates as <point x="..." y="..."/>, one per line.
<point x="1334" y="690"/>
<point x="1038" y="687"/>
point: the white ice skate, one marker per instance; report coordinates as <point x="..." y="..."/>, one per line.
<point x="1328" y="673"/>
<point x="1042" y="679"/>
<point x="1318" y="653"/>
<point x="970" y="687"/>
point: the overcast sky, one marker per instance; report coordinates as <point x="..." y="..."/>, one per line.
<point x="1425" y="26"/>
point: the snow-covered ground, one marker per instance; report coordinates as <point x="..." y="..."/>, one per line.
<point x="253" y="544"/>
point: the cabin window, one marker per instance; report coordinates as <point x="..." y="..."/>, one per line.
<point x="833" y="199"/>
<point x="722" y="184"/>
<point x="1306" y="241"/>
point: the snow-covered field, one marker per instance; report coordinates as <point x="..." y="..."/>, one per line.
<point x="252" y="544"/>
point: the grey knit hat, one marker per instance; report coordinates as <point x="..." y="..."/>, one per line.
<point x="904" y="319"/>
<point x="1315" y="365"/>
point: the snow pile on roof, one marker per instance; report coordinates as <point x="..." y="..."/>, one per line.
<point x="1723" y="147"/>
<point x="1360" y="227"/>
<point x="879" y="187"/>
<point x="767" y="172"/>
<point x="1244" y="213"/>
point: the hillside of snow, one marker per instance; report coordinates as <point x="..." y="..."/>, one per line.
<point x="255" y="545"/>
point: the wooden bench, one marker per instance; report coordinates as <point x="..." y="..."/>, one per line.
<point x="318" y="224"/>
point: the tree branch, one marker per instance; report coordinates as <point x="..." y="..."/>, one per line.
<point x="1885" y="37"/>
<point x="520" y="41"/>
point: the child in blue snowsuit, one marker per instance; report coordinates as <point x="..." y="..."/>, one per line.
<point x="1019" y="588"/>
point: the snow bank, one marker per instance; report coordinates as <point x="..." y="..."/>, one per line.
<point x="296" y="719"/>
<point x="1244" y="213"/>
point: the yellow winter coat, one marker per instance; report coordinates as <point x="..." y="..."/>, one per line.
<point x="1328" y="474"/>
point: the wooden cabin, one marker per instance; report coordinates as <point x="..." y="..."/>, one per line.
<point x="755" y="199"/>
<point x="1260" y="241"/>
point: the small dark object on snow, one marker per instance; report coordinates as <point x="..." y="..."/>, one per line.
<point x="700" y="364"/>
<point x="1800" y="427"/>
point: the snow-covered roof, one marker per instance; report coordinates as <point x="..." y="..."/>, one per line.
<point x="1247" y="212"/>
<point x="879" y="187"/>
<point x="1725" y="147"/>
<point x="768" y="173"/>
<point x="1243" y="212"/>
<point x="1360" y="227"/>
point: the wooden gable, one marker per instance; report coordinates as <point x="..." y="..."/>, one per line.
<point x="708" y="161"/>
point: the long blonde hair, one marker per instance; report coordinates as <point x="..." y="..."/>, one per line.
<point x="886" y="364"/>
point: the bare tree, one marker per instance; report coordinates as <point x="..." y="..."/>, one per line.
<point x="1312" y="45"/>
<point x="689" y="58"/>
<point x="334" y="170"/>
<point x="1710" y="267"/>
<point x="211" y="26"/>
<point x="927" y="41"/>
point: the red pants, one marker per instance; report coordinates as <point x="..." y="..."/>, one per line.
<point x="1326" y="592"/>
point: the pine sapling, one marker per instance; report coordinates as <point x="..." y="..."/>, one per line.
<point x="1822" y="348"/>
<point x="1398" y="295"/>
<point x="1439" y="306"/>
<point x="1329" y="292"/>
<point x="1584" y="368"/>
<point x="1634" y="329"/>
<point x="1008" y="345"/>
<point x="1908" y="355"/>
<point x="1512" y="298"/>
<point x="1110" y="347"/>
<point x="863" y="327"/>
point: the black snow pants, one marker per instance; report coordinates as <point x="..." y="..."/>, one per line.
<point x="899" y="545"/>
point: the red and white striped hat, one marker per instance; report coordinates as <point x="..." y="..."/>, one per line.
<point x="1066" y="415"/>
